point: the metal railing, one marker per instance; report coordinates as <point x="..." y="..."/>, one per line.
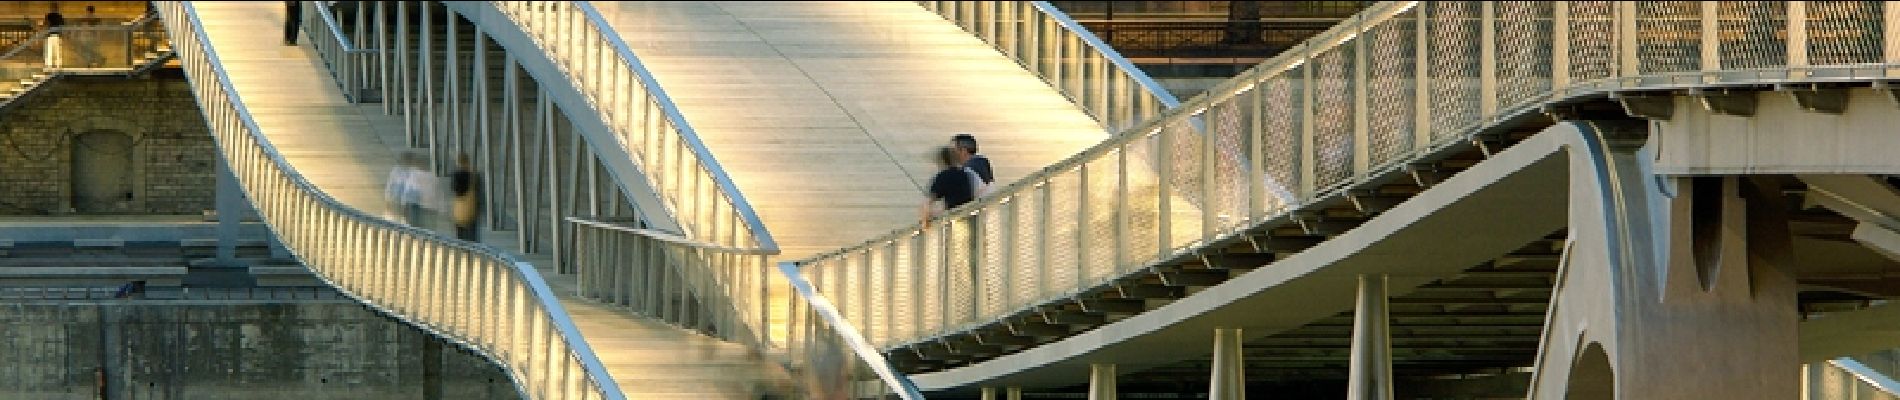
<point x="1066" y="56"/>
<point x="1846" y="379"/>
<point x="647" y="124"/>
<point x="358" y="70"/>
<point x="1387" y="87"/>
<point x="469" y="293"/>
<point x="835" y="355"/>
<point x="716" y="290"/>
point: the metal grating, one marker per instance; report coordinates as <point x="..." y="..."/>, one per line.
<point x="1392" y="87"/>
<point x="1333" y="116"/>
<point x="1454" y="66"/>
<point x="1523" y="32"/>
<point x="1753" y="34"/>
<point x="1845" y="32"/>
<point x="1668" y="37"/>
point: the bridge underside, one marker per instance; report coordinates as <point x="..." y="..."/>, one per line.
<point x="1476" y="329"/>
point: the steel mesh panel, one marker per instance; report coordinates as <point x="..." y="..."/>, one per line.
<point x="1844" y="32"/>
<point x="904" y="306"/>
<point x="1143" y="217"/>
<point x="1524" y="37"/>
<point x="1280" y="122"/>
<point x="1333" y="115"/>
<point x="1454" y="66"/>
<point x="1183" y="159"/>
<point x="995" y="251"/>
<point x="1392" y="87"/>
<point x="1064" y="224"/>
<point x="1028" y="257"/>
<point x="1753" y="34"/>
<point x="1099" y="242"/>
<point x="880" y="296"/>
<point x="933" y="285"/>
<point x="1668" y="37"/>
<point x="853" y="269"/>
<point x="1231" y="120"/>
<point x="1592" y="40"/>
<point x="960" y="269"/>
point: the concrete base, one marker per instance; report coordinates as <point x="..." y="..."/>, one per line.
<point x="1669" y="289"/>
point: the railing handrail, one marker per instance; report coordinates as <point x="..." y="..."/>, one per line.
<point x="537" y="286"/>
<point x="336" y="30"/>
<point x="1162" y="95"/>
<point x="669" y="237"/>
<point x="904" y="388"/>
<point x="1867" y="374"/>
<point x="1285" y="60"/>
<point x="740" y="205"/>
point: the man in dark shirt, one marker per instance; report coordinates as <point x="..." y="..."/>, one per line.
<point x="952" y="185"/>
<point x="975" y="162"/>
<point x="54" y="19"/>
<point x="293" y="16"/>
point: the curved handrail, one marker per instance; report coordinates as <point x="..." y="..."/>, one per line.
<point x="576" y="24"/>
<point x="1037" y="36"/>
<point x="1336" y="111"/>
<point x="411" y="274"/>
<point x="350" y="65"/>
<point x="668" y="237"/>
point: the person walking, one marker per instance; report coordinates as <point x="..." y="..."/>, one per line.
<point x="407" y="190"/>
<point x="952" y="185"/>
<point x="293" y="16"/>
<point x="54" y="23"/>
<point x="975" y="162"/>
<point x="467" y="187"/>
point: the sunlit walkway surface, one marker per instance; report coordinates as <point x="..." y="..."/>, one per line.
<point x="347" y="150"/>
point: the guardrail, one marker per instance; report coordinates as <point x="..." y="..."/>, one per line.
<point x="1845" y="378"/>
<point x="1389" y="86"/>
<point x="1066" y="56"/>
<point x="835" y="354"/>
<point x="695" y="190"/>
<point x="468" y="293"/>
<point x="716" y="290"/>
<point x="358" y="70"/>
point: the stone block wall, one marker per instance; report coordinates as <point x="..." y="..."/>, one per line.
<point x="228" y="350"/>
<point x="167" y="170"/>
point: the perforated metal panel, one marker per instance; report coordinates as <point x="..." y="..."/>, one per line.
<point x="1454" y="66"/>
<point x="1392" y="87"/>
<point x="960" y="269"/>
<point x="994" y="261"/>
<point x="1144" y="189"/>
<point x="1333" y="115"/>
<point x="1753" y="34"/>
<point x="1281" y="117"/>
<point x="1230" y="122"/>
<point x="1669" y="36"/>
<point x="1524" y="37"/>
<point x="1100" y="223"/>
<point x="1064" y="225"/>
<point x="1028" y="257"/>
<point x="1845" y="32"/>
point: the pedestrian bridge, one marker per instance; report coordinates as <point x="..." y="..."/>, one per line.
<point x="1430" y="188"/>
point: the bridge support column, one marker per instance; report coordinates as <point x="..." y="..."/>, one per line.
<point x="1668" y="289"/>
<point x="1228" y="380"/>
<point x="1102" y="382"/>
<point x="231" y="210"/>
<point x="1013" y="393"/>
<point x="1370" y="377"/>
<point x="989" y="393"/>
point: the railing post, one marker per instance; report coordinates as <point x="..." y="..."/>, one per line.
<point x="1361" y="123"/>
<point x="1890" y="37"/>
<point x="1798" y="38"/>
<point x="1711" y="42"/>
<point x="1627" y="43"/>
<point x="1422" y="71"/>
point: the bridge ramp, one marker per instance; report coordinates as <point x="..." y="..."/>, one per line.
<point x="347" y="150"/>
<point x="824" y="113"/>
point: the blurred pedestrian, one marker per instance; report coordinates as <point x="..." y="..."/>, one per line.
<point x="953" y="185"/>
<point x="467" y="187"/>
<point x="293" y="16"/>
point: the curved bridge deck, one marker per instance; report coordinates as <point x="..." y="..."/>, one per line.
<point x="347" y="150"/>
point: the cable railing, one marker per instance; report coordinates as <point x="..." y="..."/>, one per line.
<point x="1386" y="88"/>
<point x="358" y="70"/>
<point x="713" y="289"/>
<point x="1065" y="55"/>
<point x="695" y="190"/>
<point x="470" y="294"/>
